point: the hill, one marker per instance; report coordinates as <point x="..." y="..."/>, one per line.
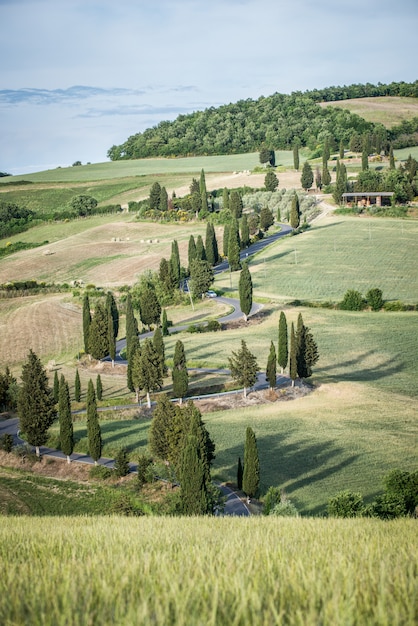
<point x="387" y="110"/>
<point x="278" y="121"/>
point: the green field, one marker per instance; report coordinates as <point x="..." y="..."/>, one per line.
<point x="387" y="110"/>
<point x="244" y="571"/>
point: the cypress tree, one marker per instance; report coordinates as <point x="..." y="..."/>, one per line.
<point x="306" y="350"/>
<point x="94" y="434"/>
<point x="122" y="463"/>
<point x="365" y="156"/>
<point x="191" y="253"/>
<point x="294" y="212"/>
<point x="296" y="156"/>
<point x="306" y="178"/>
<point x="179" y="373"/>
<point x="77" y="387"/>
<point x="65" y="419"/>
<point x="99" y="387"/>
<point x="251" y="476"/>
<point x="149" y="307"/>
<point x="148" y="374"/>
<point x="225" y="242"/>
<point x="35" y="406"/>
<point x="243" y="366"/>
<point x="204" y="202"/>
<point x="196" y="427"/>
<point x="282" y="353"/>
<point x="326" y="150"/>
<point x="245" y="232"/>
<point x="391" y="158"/>
<point x="131" y="325"/>
<point x="293" y="367"/>
<point x="202" y="182"/>
<point x="154" y="196"/>
<point x="175" y="262"/>
<point x="161" y="425"/>
<point x="235" y="204"/>
<point x="245" y="287"/>
<point x="200" y="249"/>
<point x="56" y="387"/>
<point x="225" y="198"/>
<point x="318" y="178"/>
<point x="271" y="182"/>
<point x="326" y="176"/>
<point x="163" y="205"/>
<point x="111" y="339"/>
<point x="194" y="495"/>
<point x="271" y="367"/>
<point x="266" y="219"/>
<point x="209" y="247"/>
<point x="133" y="372"/>
<point x="234" y="247"/>
<point x="98" y="333"/>
<point x="164" y="323"/>
<point x="341" y="154"/>
<point x="130" y="353"/>
<point x="86" y="322"/>
<point x="112" y="311"/>
<point x="240" y="471"/>
<point x="158" y="342"/>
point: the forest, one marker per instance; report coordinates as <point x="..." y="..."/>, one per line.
<point x="279" y="121"/>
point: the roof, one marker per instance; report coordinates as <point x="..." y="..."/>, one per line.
<point x="370" y="194"/>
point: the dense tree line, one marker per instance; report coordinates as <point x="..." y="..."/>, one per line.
<point x="276" y="122"/>
<point x="14" y="219"/>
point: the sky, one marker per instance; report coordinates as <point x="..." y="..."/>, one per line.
<point x="79" y="76"/>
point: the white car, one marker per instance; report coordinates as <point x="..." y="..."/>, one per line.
<point x="211" y="294"/>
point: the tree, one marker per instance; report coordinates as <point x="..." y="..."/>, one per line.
<point x="94" y="434"/>
<point x="201" y="277"/>
<point x="271" y="182"/>
<point x="122" y="463"/>
<point x="391" y="158"/>
<point x="365" y="156"/>
<point x="56" y="387"/>
<point x="374" y="299"/>
<point x="111" y="338"/>
<point x="86" y="322"/>
<point x="264" y="155"/>
<point x="179" y="373"/>
<point x="200" y="249"/>
<point x="134" y="365"/>
<point x="245" y="232"/>
<point x="306" y="178"/>
<point x="341" y="149"/>
<point x="266" y="219"/>
<point x="234" y="246"/>
<point x="149" y="307"/>
<point x="296" y="156"/>
<point x="295" y="212"/>
<point x="65" y="419"/>
<point x="225" y="240"/>
<point x="146" y="373"/>
<point x="211" y="245"/>
<point x="36" y="408"/>
<point x="340" y="183"/>
<point x="175" y="262"/>
<point x="192" y="252"/>
<point x="113" y="313"/>
<point x="318" y="178"/>
<point x="282" y="352"/>
<point x="164" y="323"/>
<point x="240" y="472"/>
<point x="245" y="288"/>
<point x="243" y="366"/>
<point x="293" y="367"/>
<point x="159" y="432"/>
<point x="131" y="325"/>
<point x="98" y="333"/>
<point x="235" y="204"/>
<point x="163" y="203"/>
<point x="225" y="198"/>
<point x="154" y="196"/>
<point x="194" y="494"/>
<point x="306" y="350"/>
<point x="99" y="387"/>
<point x="83" y="205"/>
<point x="77" y="387"/>
<point x="251" y="476"/>
<point x="158" y="342"/>
<point x="352" y="301"/>
<point x="326" y="176"/>
<point x="271" y="367"/>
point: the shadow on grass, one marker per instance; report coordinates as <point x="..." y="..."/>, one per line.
<point x="360" y="372"/>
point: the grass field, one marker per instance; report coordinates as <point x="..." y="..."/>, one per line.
<point x="245" y="571"/>
<point x="387" y="110"/>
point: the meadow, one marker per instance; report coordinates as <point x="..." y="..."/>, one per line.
<point x="387" y="110"/>
<point x="124" y="571"/>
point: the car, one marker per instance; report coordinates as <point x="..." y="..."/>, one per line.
<point x="211" y="294"/>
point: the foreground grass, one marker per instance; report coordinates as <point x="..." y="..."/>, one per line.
<point x="244" y="571"/>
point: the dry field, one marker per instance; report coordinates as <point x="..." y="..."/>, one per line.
<point x="387" y="110"/>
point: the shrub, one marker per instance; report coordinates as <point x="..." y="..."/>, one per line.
<point x="101" y="472"/>
<point x="285" y="508"/>
<point x="394" y="305"/>
<point x="346" y="504"/>
<point x="213" y="326"/>
<point x="272" y="498"/>
<point x="352" y="301"/>
<point x="387" y="506"/>
<point x="124" y="505"/>
<point x="143" y="469"/>
<point x="374" y="299"/>
<point x="122" y="463"/>
<point x="6" y="442"/>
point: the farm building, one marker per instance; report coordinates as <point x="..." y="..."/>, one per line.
<point x="366" y="198"/>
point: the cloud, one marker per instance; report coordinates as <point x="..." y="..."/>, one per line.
<point x="57" y="96"/>
<point x="136" y="110"/>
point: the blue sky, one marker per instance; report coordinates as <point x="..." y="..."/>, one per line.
<point x="78" y="76"/>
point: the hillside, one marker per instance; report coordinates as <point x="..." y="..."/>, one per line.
<point x="387" y="110"/>
<point x="278" y="121"/>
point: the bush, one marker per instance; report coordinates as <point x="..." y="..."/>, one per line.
<point x="387" y="506"/>
<point x="101" y="472"/>
<point x="272" y="498"/>
<point x="124" y="505"/>
<point x="285" y="508"/>
<point x="6" y="442"/>
<point x="122" y="463"/>
<point x="143" y="469"/>
<point x="353" y="301"/>
<point x="346" y="504"/>
<point x="213" y="326"/>
<point x="374" y="299"/>
<point x="394" y="305"/>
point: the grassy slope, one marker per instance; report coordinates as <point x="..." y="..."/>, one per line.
<point x="386" y="110"/>
<point x="245" y="571"/>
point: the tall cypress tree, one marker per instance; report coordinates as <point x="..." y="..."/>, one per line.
<point x="131" y="325"/>
<point x="98" y="333"/>
<point x="191" y="252"/>
<point x="240" y="471"/>
<point x="146" y="372"/>
<point x="225" y="198"/>
<point x="179" y="373"/>
<point x="65" y="419"/>
<point x="111" y="339"/>
<point x="271" y="367"/>
<point x="77" y="387"/>
<point x="209" y="247"/>
<point x="200" y="249"/>
<point x="112" y="311"/>
<point x="235" y="204"/>
<point x="245" y="287"/>
<point x="234" y="246"/>
<point x="86" y="322"/>
<point x="306" y="178"/>
<point x="163" y="199"/>
<point x="158" y="342"/>
<point x="162" y="421"/>
<point x="326" y="176"/>
<point x="99" y="387"/>
<point x="293" y="366"/>
<point x="164" y="323"/>
<point x="194" y="495"/>
<point x="175" y="262"/>
<point x="294" y="212"/>
<point x="133" y="355"/>
<point x="391" y="158"/>
<point x="243" y="366"/>
<point x="56" y="387"/>
<point x="154" y="196"/>
<point x="341" y="152"/>
<point x="245" y="232"/>
<point x="35" y="406"/>
<point x="306" y="350"/>
<point x="225" y="241"/>
<point x="195" y="426"/>
<point x="282" y="352"/>
<point x="251" y="476"/>
<point x="202" y="182"/>
<point x="296" y="156"/>
<point x="94" y="434"/>
<point x="365" y="155"/>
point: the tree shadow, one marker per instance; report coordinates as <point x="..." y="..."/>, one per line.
<point x="360" y="374"/>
